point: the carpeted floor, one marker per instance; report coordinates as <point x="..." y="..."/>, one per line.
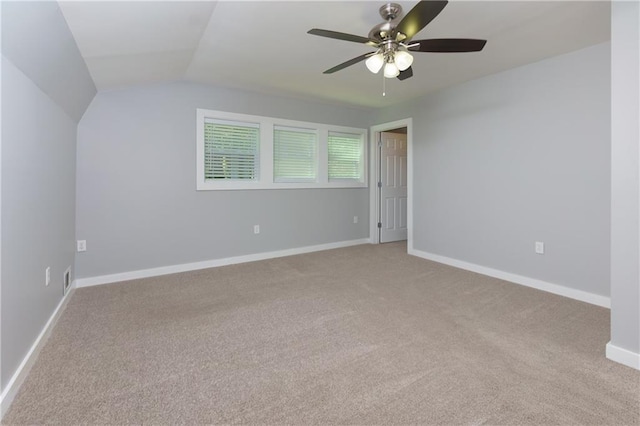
<point x="360" y="335"/>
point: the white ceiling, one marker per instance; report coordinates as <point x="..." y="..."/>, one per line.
<point x="263" y="45"/>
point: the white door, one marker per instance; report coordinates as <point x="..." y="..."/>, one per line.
<point x="393" y="187"/>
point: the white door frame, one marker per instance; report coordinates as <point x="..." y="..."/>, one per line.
<point x="374" y="194"/>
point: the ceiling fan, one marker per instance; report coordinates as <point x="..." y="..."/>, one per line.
<point x="392" y="40"/>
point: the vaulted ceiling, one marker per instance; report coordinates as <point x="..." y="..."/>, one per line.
<point x="264" y="45"/>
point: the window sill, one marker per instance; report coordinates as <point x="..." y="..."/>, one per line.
<point x="243" y="186"/>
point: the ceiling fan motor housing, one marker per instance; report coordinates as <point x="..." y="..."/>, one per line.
<point x="384" y="30"/>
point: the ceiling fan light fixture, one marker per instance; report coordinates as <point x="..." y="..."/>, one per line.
<point x="403" y="59"/>
<point x="375" y="63"/>
<point x="394" y="43"/>
<point x="391" y="70"/>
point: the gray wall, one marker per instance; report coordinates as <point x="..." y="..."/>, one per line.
<point x="625" y="201"/>
<point x="43" y="96"/>
<point x="38" y="217"/>
<point x="514" y="158"/>
<point x="137" y="204"/>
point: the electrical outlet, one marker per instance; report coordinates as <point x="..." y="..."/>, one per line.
<point x="539" y="247"/>
<point x="256" y="229"/>
<point x="355" y="219"/>
<point x="82" y="245"/>
<point x="47" y="275"/>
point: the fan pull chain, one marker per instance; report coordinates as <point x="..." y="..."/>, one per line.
<point x="384" y="86"/>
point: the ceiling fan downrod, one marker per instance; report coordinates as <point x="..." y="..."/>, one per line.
<point x="384" y="30"/>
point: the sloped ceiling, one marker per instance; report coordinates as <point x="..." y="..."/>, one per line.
<point x="263" y="45"/>
<point x="37" y="40"/>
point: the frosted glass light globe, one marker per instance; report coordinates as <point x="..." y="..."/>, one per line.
<point x="375" y="63"/>
<point x="403" y="59"/>
<point x="391" y="70"/>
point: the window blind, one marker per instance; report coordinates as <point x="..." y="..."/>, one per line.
<point x="346" y="156"/>
<point x="231" y="150"/>
<point x="294" y="155"/>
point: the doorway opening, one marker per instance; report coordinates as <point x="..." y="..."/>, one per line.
<point x="390" y="191"/>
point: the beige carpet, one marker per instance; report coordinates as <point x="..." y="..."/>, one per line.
<point x="361" y="335"/>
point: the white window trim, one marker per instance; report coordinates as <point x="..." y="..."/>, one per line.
<point x="266" y="181"/>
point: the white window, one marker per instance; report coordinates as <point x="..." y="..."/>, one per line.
<point x="295" y="155"/>
<point x="346" y="157"/>
<point x="239" y="151"/>
<point x="231" y="150"/>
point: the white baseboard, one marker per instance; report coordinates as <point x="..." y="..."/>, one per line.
<point x="623" y="356"/>
<point x="572" y="293"/>
<point x="11" y="390"/>
<point x="185" y="267"/>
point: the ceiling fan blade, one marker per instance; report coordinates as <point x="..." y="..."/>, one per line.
<point x="341" y="36"/>
<point x="420" y="16"/>
<point x="348" y="63"/>
<point x="405" y="74"/>
<point x="447" y="45"/>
